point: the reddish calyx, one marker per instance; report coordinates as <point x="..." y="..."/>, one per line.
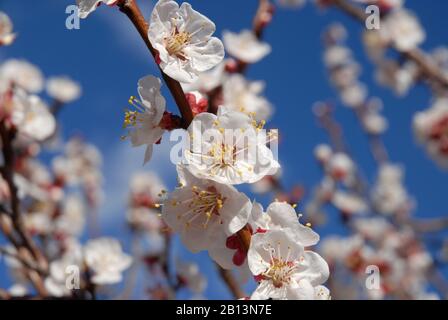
<point x="234" y="243"/>
<point x="196" y="105"/>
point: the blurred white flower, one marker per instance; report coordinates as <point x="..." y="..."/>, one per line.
<point x="388" y="194"/>
<point x="203" y="211"/>
<point x="244" y="96"/>
<point x="337" y="249"/>
<point x="349" y="203"/>
<point x="323" y="153"/>
<point x="207" y="80"/>
<point x="6" y="34"/>
<point x="373" y="229"/>
<point x="245" y="46"/>
<point x="403" y="30"/>
<point x="183" y="39"/>
<point x="31" y="116"/>
<point x="88" y="6"/>
<point x="354" y="95"/>
<point x="18" y="290"/>
<point x="105" y="258"/>
<point x="340" y="166"/>
<point x="373" y="121"/>
<point x="321" y="293"/>
<point x="72" y="219"/>
<point x="23" y="74"/>
<point x="399" y="78"/>
<point x="144" y="121"/>
<point x="63" y="89"/>
<point x="431" y="130"/>
<point x="38" y="223"/>
<point x="144" y="219"/>
<point x="336" y="55"/>
<point x="55" y="283"/>
<point x="146" y="183"/>
<point x="189" y="275"/>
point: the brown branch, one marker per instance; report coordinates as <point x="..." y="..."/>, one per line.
<point x="427" y="68"/>
<point x="132" y="11"/>
<point x="429" y="225"/>
<point x="7" y="136"/>
<point x="24" y="240"/>
<point x="229" y="279"/>
<point x="244" y="236"/>
<point x="262" y="17"/>
<point x="377" y="147"/>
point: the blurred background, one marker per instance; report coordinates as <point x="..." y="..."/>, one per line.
<point x="107" y="57"/>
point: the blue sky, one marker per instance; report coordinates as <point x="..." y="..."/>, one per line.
<point x="107" y="57"/>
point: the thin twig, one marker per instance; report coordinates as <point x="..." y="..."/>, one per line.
<point x="132" y="11"/>
<point x="229" y="279"/>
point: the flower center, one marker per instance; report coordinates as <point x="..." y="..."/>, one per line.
<point x="176" y="42"/>
<point x="207" y="202"/>
<point x="131" y="117"/>
<point x="204" y="205"/>
<point x="279" y="272"/>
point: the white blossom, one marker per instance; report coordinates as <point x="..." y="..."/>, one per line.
<point x="6" y="34"/>
<point x="63" y="89"/>
<point x="283" y="268"/>
<point x="203" y="211"/>
<point x="86" y="7"/>
<point x="278" y="216"/>
<point x="23" y="74"/>
<point x="55" y="283"/>
<point x="190" y="275"/>
<point x="323" y="153"/>
<point x="321" y="293"/>
<point x="403" y="30"/>
<point x="72" y="219"/>
<point x="430" y="128"/>
<point x="31" y="116"/>
<point x="340" y="166"/>
<point x="183" y="39"/>
<point x="245" y="46"/>
<point x="244" y="96"/>
<point x="105" y="258"/>
<point x="389" y="195"/>
<point x="207" y="80"/>
<point x="144" y="121"/>
<point x="228" y="148"/>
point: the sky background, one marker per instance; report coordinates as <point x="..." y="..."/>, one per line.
<point x="108" y="57"/>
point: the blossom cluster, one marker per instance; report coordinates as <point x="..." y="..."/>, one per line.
<point x="45" y="205"/>
<point x="377" y="214"/>
<point x="206" y="209"/>
<point x="51" y="187"/>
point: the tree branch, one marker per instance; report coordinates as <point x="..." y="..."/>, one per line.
<point x="132" y="11"/>
<point x="229" y="279"/>
<point x="427" y="68"/>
